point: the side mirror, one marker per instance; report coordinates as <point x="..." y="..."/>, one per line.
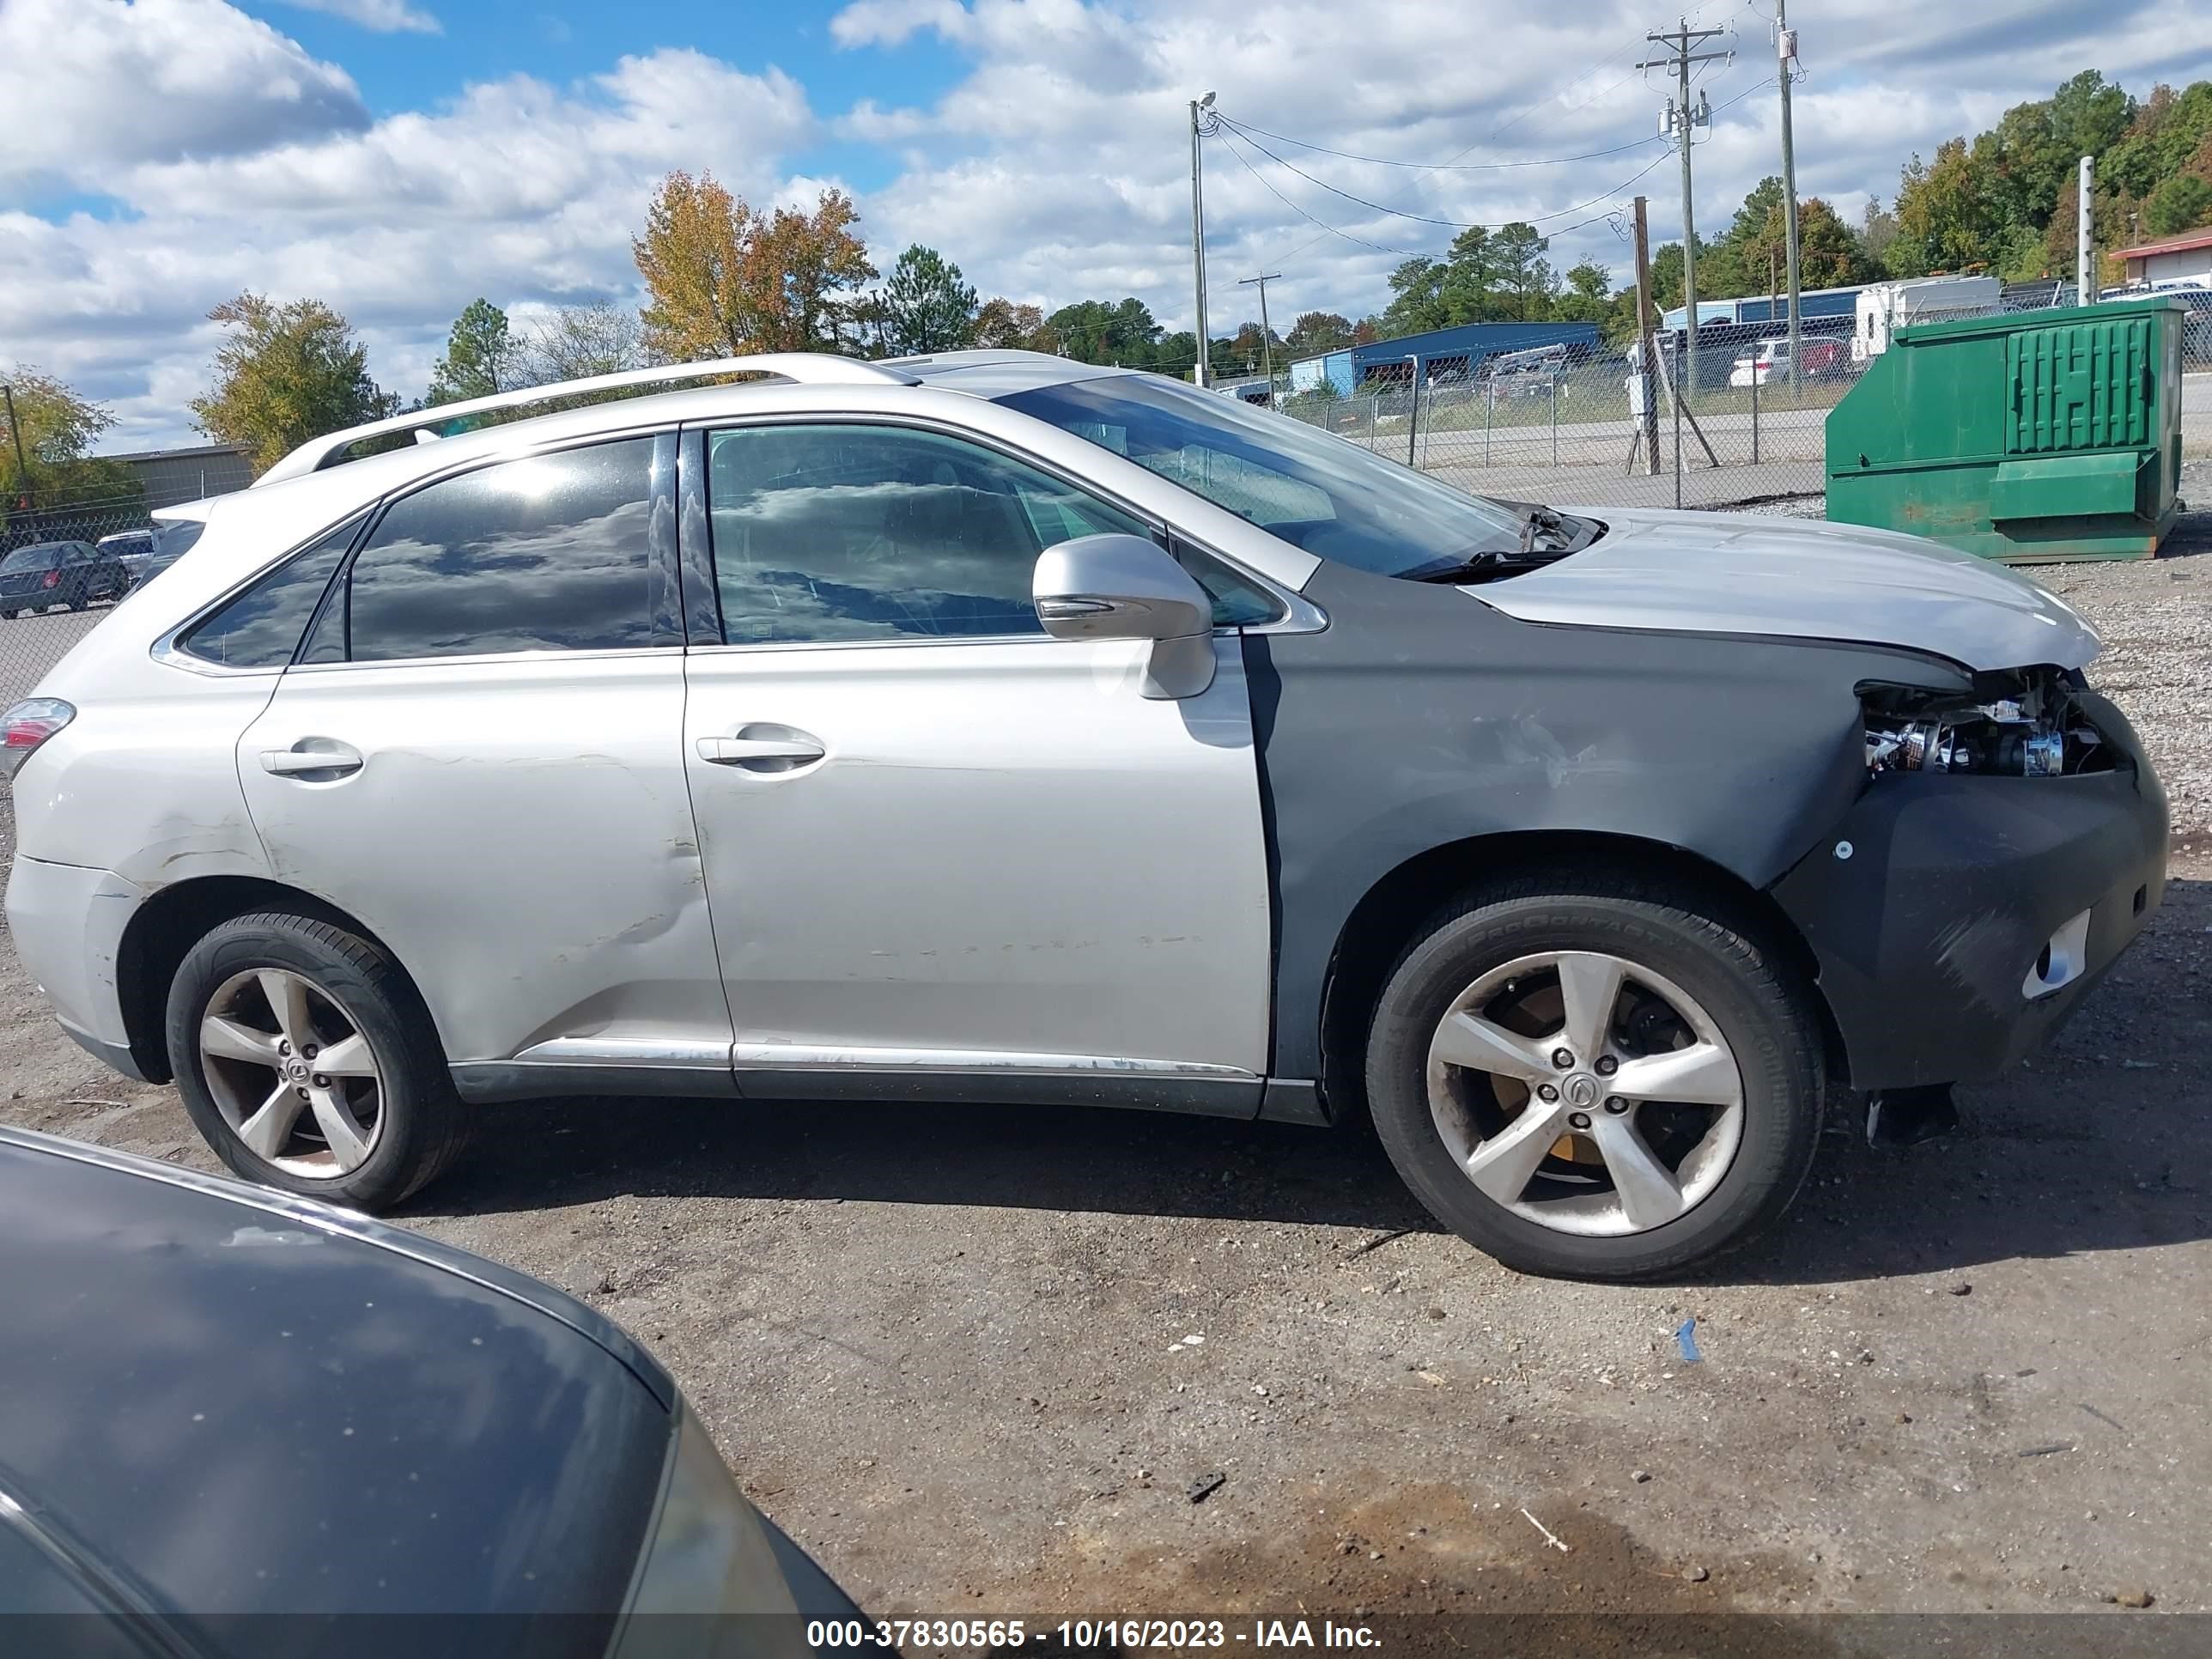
<point x="1124" y="587"/>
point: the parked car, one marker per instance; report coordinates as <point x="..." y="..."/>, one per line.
<point x="49" y="576"/>
<point x="989" y="726"/>
<point x="1770" y="360"/>
<point x="131" y="547"/>
<point x="1539" y="372"/>
<point x="226" y="1403"/>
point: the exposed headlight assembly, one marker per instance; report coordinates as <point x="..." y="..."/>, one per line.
<point x="2036" y="732"/>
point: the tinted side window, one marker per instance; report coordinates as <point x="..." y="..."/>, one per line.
<point x="546" y="553"/>
<point x="857" y="532"/>
<point x="261" y="627"/>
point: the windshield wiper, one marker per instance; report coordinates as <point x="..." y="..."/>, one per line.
<point x="1485" y="566"/>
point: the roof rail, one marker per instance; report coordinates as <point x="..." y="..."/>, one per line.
<point x="803" y="368"/>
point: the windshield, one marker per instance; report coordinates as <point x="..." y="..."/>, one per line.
<point x="1318" y="492"/>
<point x="44" y="557"/>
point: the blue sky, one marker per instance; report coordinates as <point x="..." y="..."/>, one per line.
<point x="561" y="41"/>
<point x="399" y="158"/>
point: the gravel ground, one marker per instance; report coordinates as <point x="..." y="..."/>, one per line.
<point x="974" y="1357"/>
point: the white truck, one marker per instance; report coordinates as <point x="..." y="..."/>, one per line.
<point x="1885" y="308"/>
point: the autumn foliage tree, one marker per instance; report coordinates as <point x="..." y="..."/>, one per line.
<point x="723" y="279"/>
<point x="285" y="374"/>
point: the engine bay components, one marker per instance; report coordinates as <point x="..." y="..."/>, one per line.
<point x="2035" y="733"/>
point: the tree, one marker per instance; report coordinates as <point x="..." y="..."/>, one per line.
<point x="926" y="305"/>
<point x="2182" y="202"/>
<point x="1416" y="303"/>
<point x="479" y="358"/>
<point x="1946" y="219"/>
<point x="286" y="374"/>
<point x="722" y="280"/>
<point x="1828" y="254"/>
<point x="1004" y="326"/>
<point x="1526" y="280"/>
<point x="1589" y="298"/>
<point x="1096" y="331"/>
<point x="1877" y="229"/>
<point x="1316" y="332"/>
<point x="56" y="428"/>
<point x="577" y="342"/>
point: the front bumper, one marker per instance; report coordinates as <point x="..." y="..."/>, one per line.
<point x="1927" y="934"/>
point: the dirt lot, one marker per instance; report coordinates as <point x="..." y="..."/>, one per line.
<point x="973" y="1358"/>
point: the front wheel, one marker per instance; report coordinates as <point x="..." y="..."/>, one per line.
<point x="1595" y="1079"/>
<point x="309" y="1064"/>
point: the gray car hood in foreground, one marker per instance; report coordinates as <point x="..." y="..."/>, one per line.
<point x="1740" y="572"/>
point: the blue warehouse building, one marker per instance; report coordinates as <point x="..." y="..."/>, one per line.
<point x="1457" y="352"/>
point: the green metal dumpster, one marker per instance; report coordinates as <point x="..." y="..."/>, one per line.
<point x="2035" y="435"/>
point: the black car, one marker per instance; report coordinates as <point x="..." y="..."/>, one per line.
<point x="233" y="1421"/>
<point x="46" y="576"/>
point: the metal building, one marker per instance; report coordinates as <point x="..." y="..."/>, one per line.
<point x="185" y="475"/>
<point x="1763" y="308"/>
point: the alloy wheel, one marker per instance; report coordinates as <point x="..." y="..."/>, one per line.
<point x="291" y="1072"/>
<point x="1585" y="1093"/>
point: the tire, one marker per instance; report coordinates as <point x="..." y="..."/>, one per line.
<point x="1675" y="949"/>
<point x="7" y="616"/>
<point x="78" y="600"/>
<point x="412" y="1123"/>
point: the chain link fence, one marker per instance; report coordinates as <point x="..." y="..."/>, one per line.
<point x="1726" y="426"/>
<point x="60" y="575"/>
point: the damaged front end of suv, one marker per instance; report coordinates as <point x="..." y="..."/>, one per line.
<point x="2009" y="844"/>
<point x="2027" y="723"/>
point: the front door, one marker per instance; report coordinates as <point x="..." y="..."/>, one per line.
<point x="479" y="755"/>
<point x="942" y="848"/>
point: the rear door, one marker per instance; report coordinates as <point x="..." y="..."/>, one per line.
<point x="943" y="848"/>
<point x="479" y="755"/>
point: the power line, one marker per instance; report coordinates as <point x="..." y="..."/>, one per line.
<point x="1420" y="218"/>
<point x="1529" y="108"/>
<point x="1444" y="166"/>
<point x="1308" y="217"/>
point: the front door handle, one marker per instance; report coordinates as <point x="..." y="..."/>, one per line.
<point x="757" y="749"/>
<point x="326" y="760"/>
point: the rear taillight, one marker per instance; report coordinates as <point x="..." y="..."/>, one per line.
<point x="53" y="579"/>
<point x="27" y="724"/>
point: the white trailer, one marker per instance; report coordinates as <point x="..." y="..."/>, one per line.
<point x="1885" y="308"/>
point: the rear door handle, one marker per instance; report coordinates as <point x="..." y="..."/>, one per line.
<point x="781" y="753"/>
<point x="335" y="760"/>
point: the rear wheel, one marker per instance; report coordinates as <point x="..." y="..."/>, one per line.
<point x="79" y="598"/>
<point x="1594" y="1080"/>
<point x="309" y="1064"/>
<point x="7" y="616"/>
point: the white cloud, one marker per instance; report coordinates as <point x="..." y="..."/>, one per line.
<point x="384" y="16"/>
<point x="1055" y="167"/>
<point x="90" y="86"/>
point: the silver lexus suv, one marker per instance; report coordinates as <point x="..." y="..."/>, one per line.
<point x="990" y="727"/>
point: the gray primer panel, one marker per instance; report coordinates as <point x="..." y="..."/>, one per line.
<point x="1423" y="717"/>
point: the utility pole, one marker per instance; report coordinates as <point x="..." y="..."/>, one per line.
<point x="1785" y="53"/>
<point x="2083" y="256"/>
<point x="1681" y="121"/>
<point x="1647" y="375"/>
<point x="1267" y="336"/>
<point x="1197" y="107"/>
<point x="16" y="431"/>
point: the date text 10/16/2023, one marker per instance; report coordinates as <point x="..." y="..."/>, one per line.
<point x="1080" y="1634"/>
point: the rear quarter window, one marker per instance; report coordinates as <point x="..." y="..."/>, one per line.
<point x="261" y="627"/>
